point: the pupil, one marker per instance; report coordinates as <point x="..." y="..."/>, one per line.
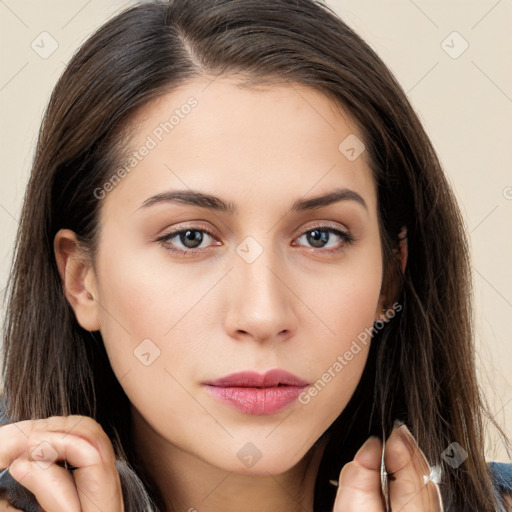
<point x="191" y="238"/>
<point x="318" y="238"/>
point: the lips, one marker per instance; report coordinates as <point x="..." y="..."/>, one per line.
<point x="269" y="379"/>
<point x="257" y="394"/>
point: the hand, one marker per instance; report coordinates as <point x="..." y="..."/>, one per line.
<point x="34" y="449"/>
<point x="410" y="490"/>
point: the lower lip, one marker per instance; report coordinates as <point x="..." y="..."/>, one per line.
<point x="257" y="401"/>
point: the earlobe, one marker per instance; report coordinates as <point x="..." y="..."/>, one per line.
<point x="78" y="279"/>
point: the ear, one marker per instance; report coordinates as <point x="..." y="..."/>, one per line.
<point x="78" y="279"/>
<point x="387" y="298"/>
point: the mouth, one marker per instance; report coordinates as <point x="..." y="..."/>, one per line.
<point x="257" y="394"/>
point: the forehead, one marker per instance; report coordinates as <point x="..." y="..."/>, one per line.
<point x="215" y="134"/>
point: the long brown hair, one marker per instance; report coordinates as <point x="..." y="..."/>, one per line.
<point x="421" y="365"/>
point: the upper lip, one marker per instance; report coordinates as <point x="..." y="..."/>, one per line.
<point x="248" y="379"/>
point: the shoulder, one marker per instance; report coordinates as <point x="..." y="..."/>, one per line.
<point x="502" y="474"/>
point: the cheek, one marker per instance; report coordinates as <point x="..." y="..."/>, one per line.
<point x="338" y="360"/>
<point x="346" y="297"/>
<point x="149" y="306"/>
<point x="147" y="330"/>
<point x="145" y="297"/>
<point x="346" y="301"/>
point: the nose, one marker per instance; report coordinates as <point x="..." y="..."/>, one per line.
<point x="260" y="301"/>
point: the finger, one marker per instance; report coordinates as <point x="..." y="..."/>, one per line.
<point x="81" y="426"/>
<point x="96" y="479"/>
<point x="49" y="447"/>
<point x="53" y="486"/>
<point x="91" y="478"/>
<point x="410" y="489"/>
<point x="36" y="469"/>
<point x="87" y="448"/>
<point x="359" y="488"/>
<point x="99" y="486"/>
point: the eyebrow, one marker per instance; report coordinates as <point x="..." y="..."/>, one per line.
<point x="215" y="203"/>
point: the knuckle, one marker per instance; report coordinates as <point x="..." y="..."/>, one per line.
<point x="352" y="476"/>
<point x="92" y="432"/>
<point x="15" y="430"/>
<point x="78" y="426"/>
<point x="19" y="469"/>
<point x="84" y="424"/>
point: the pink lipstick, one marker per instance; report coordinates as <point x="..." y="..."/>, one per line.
<point x="258" y="394"/>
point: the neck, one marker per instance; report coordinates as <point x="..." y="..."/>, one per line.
<point x="190" y="484"/>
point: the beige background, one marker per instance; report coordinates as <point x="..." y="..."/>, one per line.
<point x="463" y="98"/>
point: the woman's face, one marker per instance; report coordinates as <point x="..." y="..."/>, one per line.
<point x="260" y="278"/>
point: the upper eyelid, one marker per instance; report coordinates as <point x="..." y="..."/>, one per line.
<point x="177" y="231"/>
<point x="211" y="232"/>
<point x="325" y="225"/>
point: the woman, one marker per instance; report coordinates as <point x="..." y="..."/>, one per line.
<point x="240" y="267"/>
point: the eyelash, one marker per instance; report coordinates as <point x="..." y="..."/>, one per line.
<point x="346" y="237"/>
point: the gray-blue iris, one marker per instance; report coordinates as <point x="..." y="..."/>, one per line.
<point x="191" y="236"/>
<point x="318" y="238"/>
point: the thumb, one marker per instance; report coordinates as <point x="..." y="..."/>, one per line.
<point x="359" y="488"/>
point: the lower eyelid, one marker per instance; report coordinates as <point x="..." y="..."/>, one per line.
<point x="346" y="238"/>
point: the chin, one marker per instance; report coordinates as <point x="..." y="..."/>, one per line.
<point x="261" y="457"/>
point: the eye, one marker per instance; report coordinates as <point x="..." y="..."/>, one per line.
<point x="324" y="237"/>
<point x="185" y="241"/>
<point x="189" y="241"/>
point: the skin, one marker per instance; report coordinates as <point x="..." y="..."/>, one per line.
<point x="297" y="306"/>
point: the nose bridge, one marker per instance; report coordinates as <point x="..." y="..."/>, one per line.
<point x="259" y="302"/>
<point x="256" y="267"/>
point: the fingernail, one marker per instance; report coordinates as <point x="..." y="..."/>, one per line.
<point x="412" y="445"/>
<point x="364" y="446"/>
<point x="368" y="449"/>
<point x="405" y="429"/>
<point x="371" y="438"/>
<point x="406" y="434"/>
<point x="398" y="424"/>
